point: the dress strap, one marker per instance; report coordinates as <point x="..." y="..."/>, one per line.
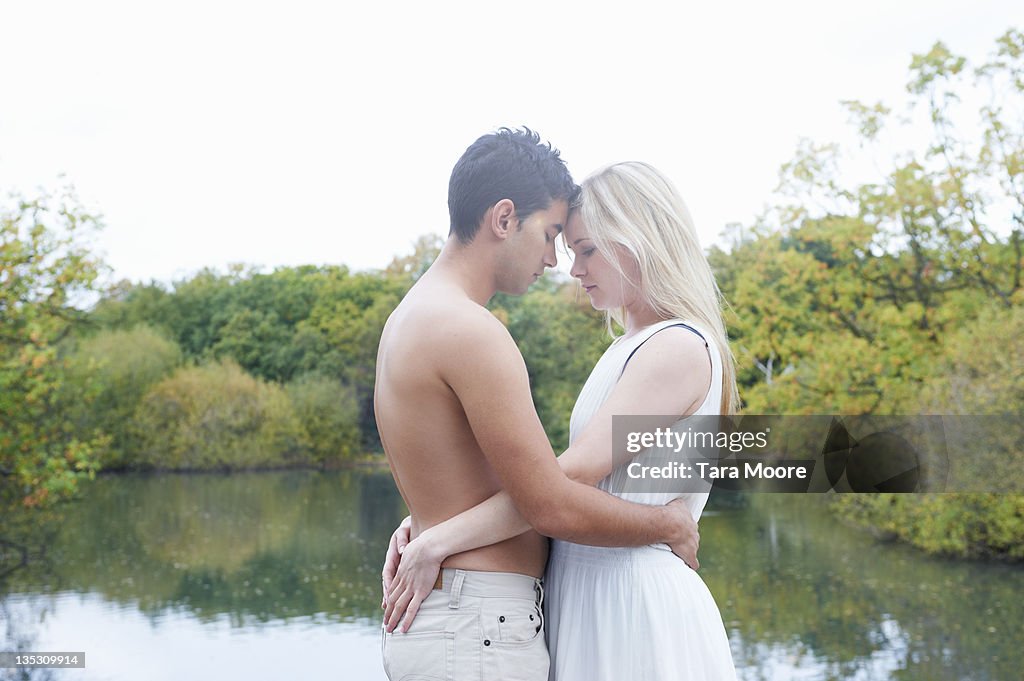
<point x="667" y="326"/>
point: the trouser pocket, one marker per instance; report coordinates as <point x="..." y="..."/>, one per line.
<point x="420" y="656"/>
<point x="513" y="644"/>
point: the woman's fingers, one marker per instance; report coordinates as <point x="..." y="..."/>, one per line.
<point x="391" y="561"/>
<point x="401" y="537"/>
<point x="397" y="607"/>
<point x="410" y="613"/>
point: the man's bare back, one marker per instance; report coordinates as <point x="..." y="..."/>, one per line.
<point x="434" y="456"/>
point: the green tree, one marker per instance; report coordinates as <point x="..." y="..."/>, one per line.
<point x="278" y="326"/>
<point x="843" y="295"/>
<point x="347" y="321"/>
<point x="45" y="267"/>
<point x="902" y="294"/>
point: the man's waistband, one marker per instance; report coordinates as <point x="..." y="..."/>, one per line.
<point x="487" y="584"/>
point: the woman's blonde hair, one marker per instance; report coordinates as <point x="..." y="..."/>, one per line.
<point x="634" y="207"/>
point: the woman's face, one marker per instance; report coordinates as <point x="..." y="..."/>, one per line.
<point x="601" y="280"/>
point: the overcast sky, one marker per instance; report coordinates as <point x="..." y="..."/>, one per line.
<point x="271" y="134"/>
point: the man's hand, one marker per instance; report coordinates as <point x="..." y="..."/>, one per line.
<point x="399" y="540"/>
<point x="688" y="539"/>
<point x="417" y="572"/>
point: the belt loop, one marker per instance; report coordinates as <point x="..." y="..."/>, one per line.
<point x="453" y="598"/>
<point x="539" y="588"/>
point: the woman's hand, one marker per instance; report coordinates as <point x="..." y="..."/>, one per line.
<point x="399" y="540"/>
<point x="689" y="541"/>
<point x="417" y="572"/>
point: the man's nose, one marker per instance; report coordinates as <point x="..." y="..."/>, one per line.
<point x="550" y="257"/>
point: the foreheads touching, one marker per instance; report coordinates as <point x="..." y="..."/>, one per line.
<point x="508" y="166"/>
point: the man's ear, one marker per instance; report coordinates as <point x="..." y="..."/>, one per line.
<point x="501" y="219"/>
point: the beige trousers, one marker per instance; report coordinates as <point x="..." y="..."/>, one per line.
<point x="479" y="626"/>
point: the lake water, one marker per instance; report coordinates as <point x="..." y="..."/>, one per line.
<point x="276" y="575"/>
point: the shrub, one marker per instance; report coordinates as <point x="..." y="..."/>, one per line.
<point x="329" y="413"/>
<point x="218" y="417"/>
<point x="109" y="374"/>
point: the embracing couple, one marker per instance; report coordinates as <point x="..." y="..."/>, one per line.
<point x="478" y="592"/>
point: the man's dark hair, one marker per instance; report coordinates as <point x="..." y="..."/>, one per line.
<point x="507" y="164"/>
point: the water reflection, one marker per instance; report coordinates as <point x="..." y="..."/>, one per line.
<point x="256" y="546"/>
<point x="798" y="589"/>
<point x="208" y="564"/>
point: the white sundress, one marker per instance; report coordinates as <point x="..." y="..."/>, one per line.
<point x="633" y="614"/>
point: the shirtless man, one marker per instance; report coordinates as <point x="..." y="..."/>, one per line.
<point x="457" y="421"/>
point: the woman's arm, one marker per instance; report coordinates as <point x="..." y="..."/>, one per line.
<point x="670" y="374"/>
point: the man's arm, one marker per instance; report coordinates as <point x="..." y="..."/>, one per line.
<point x="670" y="375"/>
<point x="488" y="375"/>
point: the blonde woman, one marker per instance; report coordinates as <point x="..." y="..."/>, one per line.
<point x="622" y="613"/>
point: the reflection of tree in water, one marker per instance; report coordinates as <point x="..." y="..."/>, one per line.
<point x="25" y="555"/>
<point x="18" y="637"/>
<point x="26" y="538"/>
<point x="788" y="579"/>
<point x="254" y="546"/>
<point x="380" y="506"/>
<point x="13" y="556"/>
<point x="261" y="590"/>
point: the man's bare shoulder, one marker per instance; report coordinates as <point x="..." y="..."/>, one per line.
<point x="446" y="314"/>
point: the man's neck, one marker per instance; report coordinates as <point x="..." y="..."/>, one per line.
<point x="472" y="272"/>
